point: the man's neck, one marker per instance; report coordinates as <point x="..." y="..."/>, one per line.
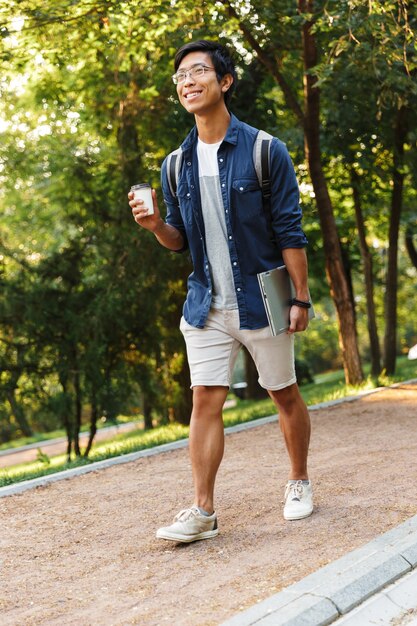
<point x="213" y="128"/>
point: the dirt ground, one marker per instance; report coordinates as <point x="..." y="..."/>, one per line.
<point x="83" y="551"/>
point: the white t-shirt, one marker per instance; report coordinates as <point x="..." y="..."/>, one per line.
<point x="223" y="289"/>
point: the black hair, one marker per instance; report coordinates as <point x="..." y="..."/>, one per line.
<point x="220" y="57"/>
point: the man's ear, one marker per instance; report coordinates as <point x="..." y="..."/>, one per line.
<point x="227" y="82"/>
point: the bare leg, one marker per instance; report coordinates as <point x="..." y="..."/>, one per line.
<point x="295" y="425"/>
<point x="206" y="441"/>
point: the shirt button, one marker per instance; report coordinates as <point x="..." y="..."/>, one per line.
<point x="188" y="195"/>
<point x="223" y="185"/>
<point x="206" y="267"/>
<point x="209" y="290"/>
<point x="189" y="163"/>
<point x="238" y="289"/>
<point x="234" y="263"/>
<point x="240" y="188"/>
<point x="230" y="237"/>
<point x="192" y="186"/>
<point x="221" y="160"/>
<point x="227" y="211"/>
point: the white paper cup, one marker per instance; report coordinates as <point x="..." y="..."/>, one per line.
<point x="143" y="191"/>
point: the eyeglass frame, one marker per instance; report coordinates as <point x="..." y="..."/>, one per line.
<point x="190" y="72"/>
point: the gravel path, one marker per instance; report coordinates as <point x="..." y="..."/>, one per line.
<point x="83" y="551"/>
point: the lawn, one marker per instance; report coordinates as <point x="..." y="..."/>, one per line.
<point x="326" y="387"/>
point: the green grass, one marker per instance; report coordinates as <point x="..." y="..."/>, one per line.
<point x="120" y="444"/>
<point x="56" y="434"/>
<point x="329" y="386"/>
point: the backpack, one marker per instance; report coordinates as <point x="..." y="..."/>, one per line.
<point x="261" y="161"/>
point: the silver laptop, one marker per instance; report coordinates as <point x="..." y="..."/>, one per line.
<point x="277" y="291"/>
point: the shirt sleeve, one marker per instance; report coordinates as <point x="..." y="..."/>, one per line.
<point x="173" y="216"/>
<point x="285" y="199"/>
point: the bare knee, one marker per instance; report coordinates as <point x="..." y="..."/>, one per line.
<point x="208" y="400"/>
<point x="287" y="399"/>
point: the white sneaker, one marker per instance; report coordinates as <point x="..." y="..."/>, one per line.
<point x="190" y="525"/>
<point x="298" y="500"/>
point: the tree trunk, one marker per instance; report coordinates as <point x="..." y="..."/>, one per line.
<point x="127" y="134"/>
<point x="93" y="424"/>
<point x="339" y="287"/>
<point x="66" y="413"/>
<point x="13" y="383"/>
<point x="390" y="339"/>
<point x="18" y="412"/>
<point x="368" y="275"/>
<point x="409" y="244"/>
<point x="147" y="412"/>
<point x="347" y="267"/>
<point x="183" y="411"/>
<point x="253" y="390"/>
<point x="78" y="413"/>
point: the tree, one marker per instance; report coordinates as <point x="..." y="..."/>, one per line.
<point x="409" y="242"/>
<point x="273" y="54"/>
<point x="103" y="285"/>
<point x="90" y="306"/>
<point x="379" y="49"/>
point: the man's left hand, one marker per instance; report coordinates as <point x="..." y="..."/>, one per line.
<point x="298" y="319"/>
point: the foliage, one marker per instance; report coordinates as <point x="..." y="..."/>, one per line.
<point x="89" y="307"/>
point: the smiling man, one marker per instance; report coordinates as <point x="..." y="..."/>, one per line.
<point x="217" y="214"/>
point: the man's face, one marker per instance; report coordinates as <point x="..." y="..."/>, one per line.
<point x="200" y="94"/>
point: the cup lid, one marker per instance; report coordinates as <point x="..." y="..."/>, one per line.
<point x="139" y="186"/>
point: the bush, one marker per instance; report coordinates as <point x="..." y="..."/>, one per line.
<point x="318" y="347"/>
<point x="303" y="372"/>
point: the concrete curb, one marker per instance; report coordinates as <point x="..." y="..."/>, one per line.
<point x="337" y="588"/>
<point x="167" y="447"/>
<point x="395" y="604"/>
<point x="10" y="490"/>
<point x="118" y="460"/>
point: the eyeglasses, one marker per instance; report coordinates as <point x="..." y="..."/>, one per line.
<point x="194" y="72"/>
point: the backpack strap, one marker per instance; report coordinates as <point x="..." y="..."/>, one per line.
<point x="174" y="161"/>
<point x="261" y="161"/>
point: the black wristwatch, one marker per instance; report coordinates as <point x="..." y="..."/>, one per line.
<point x="301" y="303"/>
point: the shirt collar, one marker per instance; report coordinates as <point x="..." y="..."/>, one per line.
<point x="230" y="137"/>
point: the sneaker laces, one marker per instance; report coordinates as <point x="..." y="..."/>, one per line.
<point x="295" y="491"/>
<point x="186" y="514"/>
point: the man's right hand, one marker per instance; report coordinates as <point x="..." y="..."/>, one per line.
<point x="167" y="235"/>
<point x="140" y="212"/>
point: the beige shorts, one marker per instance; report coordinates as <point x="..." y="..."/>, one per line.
<point x="212" y="351"/>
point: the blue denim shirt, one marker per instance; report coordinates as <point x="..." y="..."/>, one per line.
<point x="250" y="246"/>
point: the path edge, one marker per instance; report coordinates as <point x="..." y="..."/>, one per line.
<point x="33" y="483"/>
<point x="337" y="588"/>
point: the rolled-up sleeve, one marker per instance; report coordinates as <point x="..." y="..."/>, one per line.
<point x="285" y="199"/>
<point x="173" y="215"/>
